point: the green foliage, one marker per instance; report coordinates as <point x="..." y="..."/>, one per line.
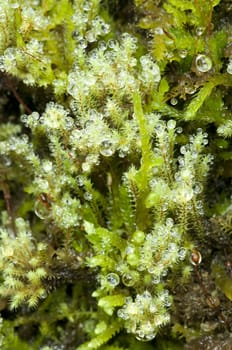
<point x="114" y="172"/>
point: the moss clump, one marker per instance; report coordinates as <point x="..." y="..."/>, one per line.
<point x="115" y="174"/>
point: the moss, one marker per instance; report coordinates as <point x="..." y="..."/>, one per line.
<point x="115" y="174"/>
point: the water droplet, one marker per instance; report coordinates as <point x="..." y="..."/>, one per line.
<point x="90" y="37"/>
<point x="43" y="294"/>
<point x="75" y="34"/>
<point x="183" y="53"/>
<point x="112" y="44"/>
<point x="107" y="148"/>
<point x="129" y="279"/>
<point x="102" y="46"/>
<point x="86" y="166"/>
<point x="24" y="118"/>
<point x="199" y="31"/>
<point x="197" y="188"/>
<point x="6" y="161"/>
<point x="40" y="210"/>
<point x="171" y="124"/>
<point x="81" y="180"/>
<point x="169" y="222"/>
<point x="187" y="194"/>
<point x="203" y="63"/>
<point x="179" y="130"/>
<point x="86" y="7"/>
<point x="182" y="253"/>
<point x="141" y="267"/>
<point x="47" y="166"/>
<point x="190" y="90"/>
<point x="105" y="28"/>
<point x="195" y="258"/>
<point x="113" y="279"/>
<point x="229" y="67"/>
<point x="156" y="279"/>
<point x="69" y="123"/>
<point x="88" y="196"/>
<point x="122" y="314"/>
<point x="173" y="101"/>
<point x="83" y="43"/>
<point x="158" y="31"/>
<point x="183" y="150"/>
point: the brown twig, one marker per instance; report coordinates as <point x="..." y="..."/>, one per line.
<point x="16" y="95"/>
<point x="7" y="198"/>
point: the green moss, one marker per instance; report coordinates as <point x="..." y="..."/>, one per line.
<point x="115" y="174"/>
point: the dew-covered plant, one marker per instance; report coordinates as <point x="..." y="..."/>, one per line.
<point x="115" y="174"/>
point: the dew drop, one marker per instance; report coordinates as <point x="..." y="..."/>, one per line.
<point x="183" y="53"/>
<point x="195" y="258"/>
<point x="199" y="31"/>
<point x="183" y="150"/>
<point x="86" y="166"/>
<point x="40" y="210"/>
<point x="113" y="279"/>
<point x="112" y="44"/>
<point x="24" y="118"/>
<point x="83" y="43"/>
<point x="171" y="124"/>
<point x="88" y="196"/>
<point x="190" y="90"/>
<point x="107" y="148"/>
<point x="102" y="46"/>
<point x="169" y="222"/>
<point x="156" y="279"/>
<point x="75" y="34"/>
<point x="86" y="7"/>
<point x="128" y="280"/>
<point x="81" y="180"/>
<point x="182" y="253"/>
<point x="173" y="101"/>
<point x="179" y="130"/>
<point x="158" y="31"/>
<point x="203" y="63"/>
<point x="105" y="28"/>
<point x="229" y="67"/>
<point x="90" y="37"/>
<point x="187" y="194"/>
<point x="122" y="314"/>
<point x="197" y="188"/>
<point x="47" y="166"/>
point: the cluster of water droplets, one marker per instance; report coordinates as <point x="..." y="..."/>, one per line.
<point x="150" y="70"/>
<point x="225" y="129"/>
<point x="66" y="213"/>
<point x="94" y="137"/>
<point x="144" y="315"/>
<point x="161" y="250"/>
<point x="54" y="118"/>
<point x="193" y="168"/>
<point x="19" y="62"/>
<point x="89" y="26"/>
<point x="32" y="17"/>
<point x="109" y="70"/>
